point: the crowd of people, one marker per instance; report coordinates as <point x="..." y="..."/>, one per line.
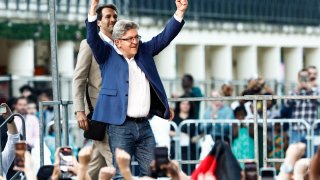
<point x="241" y="135"/>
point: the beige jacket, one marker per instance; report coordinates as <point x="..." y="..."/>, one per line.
<point x="87" y="70"/>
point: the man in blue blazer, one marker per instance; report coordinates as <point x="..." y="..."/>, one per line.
<point x="131" y="86"/>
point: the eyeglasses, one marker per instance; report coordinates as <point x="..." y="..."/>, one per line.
<point x="130" y="39"/>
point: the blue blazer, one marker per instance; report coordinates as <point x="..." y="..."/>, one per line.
<point x="112" y="102"/>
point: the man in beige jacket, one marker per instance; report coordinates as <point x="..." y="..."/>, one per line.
<point x="87" y="71"/>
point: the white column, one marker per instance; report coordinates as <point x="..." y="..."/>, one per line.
<point x="293" y="59"/>
<point x="312" y="56"/>
<point x="66" y="67"/>
<point x="20" y="62"/>
<point x="66" y="58"/>
<point x="166" y="65"/>
<point x="191" y="60"/>
<point x="166" y="62"/>
<point x="219" y="62"/>
<point x="269" y="63"/>
<point x="21" y="57"/>
<point x="245" y="62"/>
<point x="42" y="53"/>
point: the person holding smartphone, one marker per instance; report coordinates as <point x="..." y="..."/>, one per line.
<point x="8" y="154"/>
<point x="302" y="108"/>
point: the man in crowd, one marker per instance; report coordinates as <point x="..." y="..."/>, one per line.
<point x="305" y="109"/>
<point x="131" y="87"/>
<point x="31" y="122"/>
<point x="189" y="90"/>
<point x="87" y="74"/>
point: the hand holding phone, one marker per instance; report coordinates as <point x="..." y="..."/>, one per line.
<point x="161" y="158"/>
<point x="304" y="78"/>
<point x="66" y="160"/>
<point x="3" y="109"/>
<point x="268" y="173"/>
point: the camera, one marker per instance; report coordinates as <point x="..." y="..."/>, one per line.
<point x="304" y="78"/>
<point x="268" y="173"/>
<point x="161" y="157"/>
<point x="20" y="147"/>
<point x="65" y="156"/>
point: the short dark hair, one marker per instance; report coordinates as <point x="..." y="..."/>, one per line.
<point x="21" y="98"/>
<point x="26" y="87"/>
<point x="188" y="77"/>
<point x="239" y="109"/>
<point x="187" y="82"/>
<point x="303" y="70"/>
<point x="99" y="9"/>
<point x="312" y="67"/>
<point x="45" y="172"/>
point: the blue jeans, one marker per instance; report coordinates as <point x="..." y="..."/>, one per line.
<point x="137" y="139"/>
<point x="297" y="136"/>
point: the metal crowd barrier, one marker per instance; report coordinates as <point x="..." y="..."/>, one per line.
<point x="172" y="85"/>
<point x="223" y="129"/>
<point x="315" y="135"/>
<point x="57" y="125"/>
<point x="23" y="136"/>
<point x="253" y="98"/>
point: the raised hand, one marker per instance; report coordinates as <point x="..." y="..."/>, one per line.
<point x="123" y="160"/>
<point x="85" y="155"/>
<point x="301" y="168"/>
<point x="94" y="4"/>
<point x="106" y="173"/>
<point x="8" y="110"/>
<point x="182" y="6"/>
<point x="95" y="1"/>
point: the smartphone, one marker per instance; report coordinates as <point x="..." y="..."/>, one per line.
<point x="3" y="109"/>
<point x="20" y="147"/>
<point x="268" y="173"/>
<point x="250" y="169"/>
<point x="65" y="157"/>
<point x="161" y="157"/>
<point x="304" y="78"/>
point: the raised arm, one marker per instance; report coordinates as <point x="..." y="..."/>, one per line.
<point x="182" y="6"/>
<point x="99" y="48"/>
<point x="13" y="137"/>
<point x="172" y="29"/>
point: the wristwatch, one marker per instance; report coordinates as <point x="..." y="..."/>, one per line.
<point x="286" y="168"/>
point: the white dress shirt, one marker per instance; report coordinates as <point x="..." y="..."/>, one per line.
<point x="106" y="38"/>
